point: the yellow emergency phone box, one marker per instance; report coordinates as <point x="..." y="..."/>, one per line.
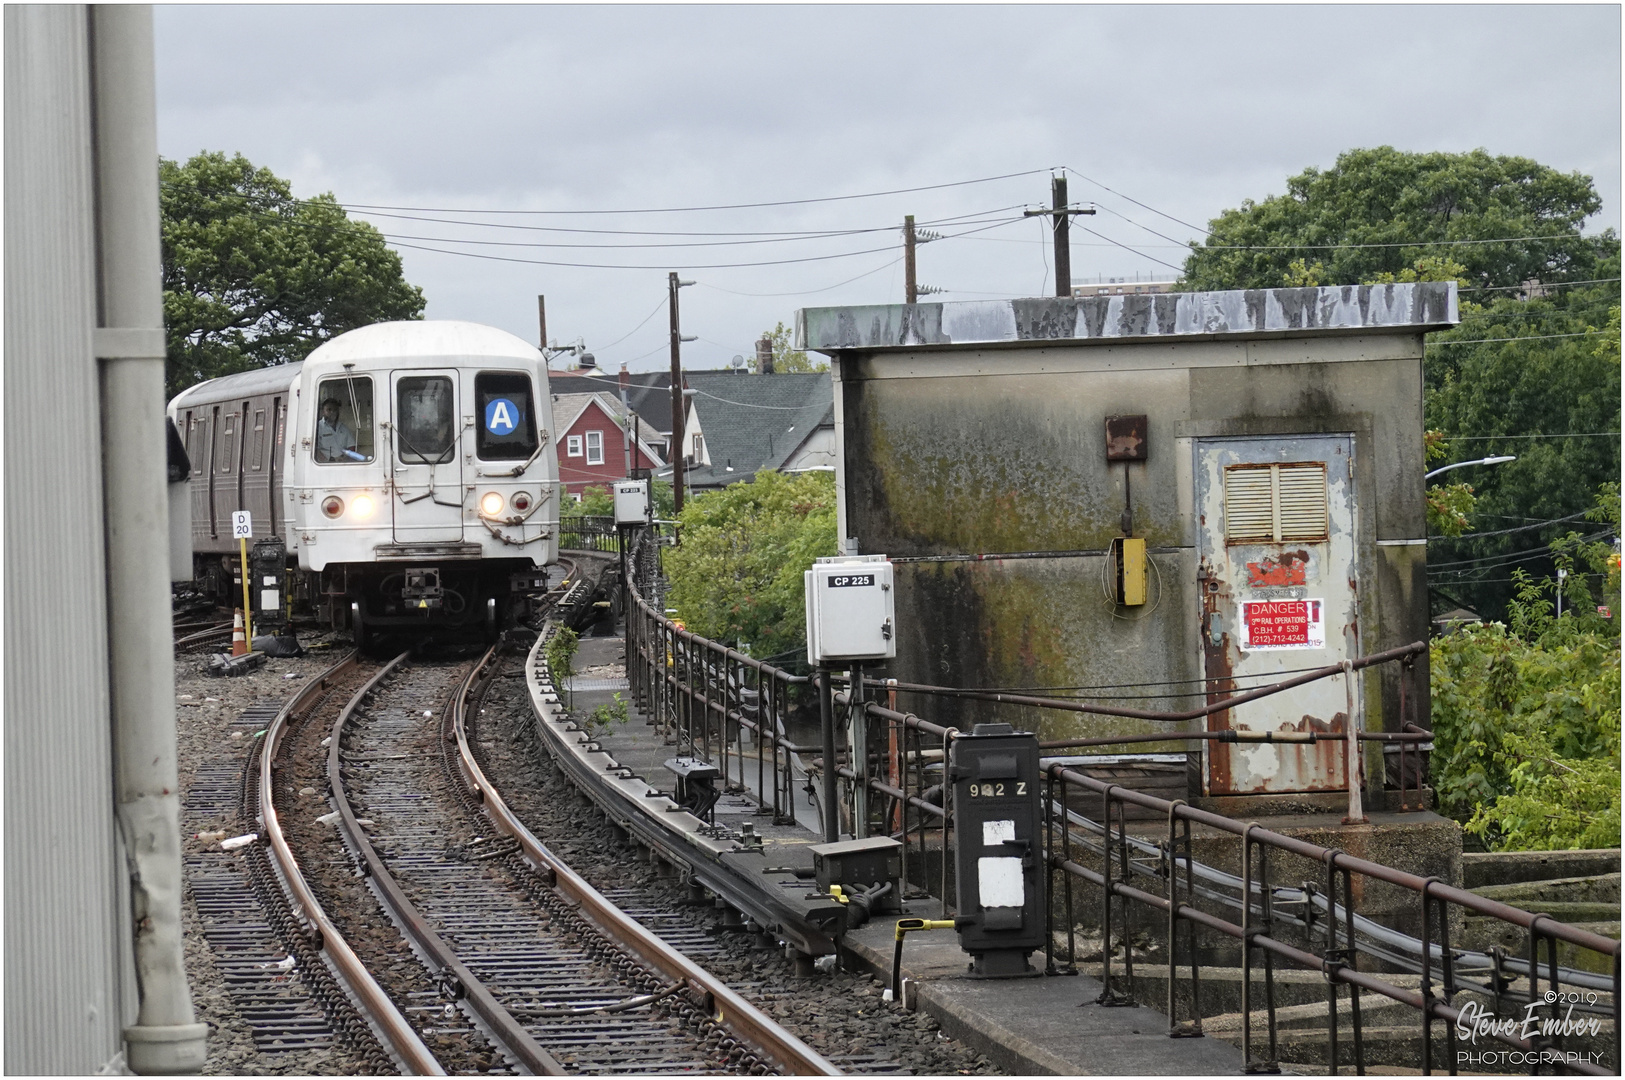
<point x="1131" y="570"/>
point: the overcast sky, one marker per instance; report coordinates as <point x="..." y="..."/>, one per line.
<point x="557" y="111"/>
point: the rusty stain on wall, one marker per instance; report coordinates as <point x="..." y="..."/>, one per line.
<point x="1286" y="569"/>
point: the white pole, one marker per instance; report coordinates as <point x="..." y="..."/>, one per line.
<point x="130" y="345"/>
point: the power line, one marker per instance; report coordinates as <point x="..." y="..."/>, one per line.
<point x="1515" y="529"/>
<point x="636" y="328"/>
<point x="1526" y="337"/>
<point x="1541" y="285"/>
<point x="782" y="233"/>
<point x="1557" y="435"/>
<point x="810" y="292"/>
<point x="686" y="266"/>
<point x="1125" y="247"/>
<point x="1397" y="244"/>
<point x="1136" y="202"/>
<point x="697" y="209"/>
<point x="1510" y="557"/>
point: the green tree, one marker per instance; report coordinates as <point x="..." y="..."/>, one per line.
<point x="254" y="277"/>
<point x="1513" y="371"/>
<point x="736" y="576"/>
<point x="786" y="360"/>
<point x="1384" y="196"/>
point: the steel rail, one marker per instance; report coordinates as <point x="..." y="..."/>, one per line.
<point x="769" y="1040"/>
<point x="402" y="1039"/>
<point x="507" y="1031"/>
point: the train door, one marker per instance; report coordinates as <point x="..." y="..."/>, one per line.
<point x="427" y="466"/>
<point x="1278" y="595"/>
<point x="273" y="466"/>
<point x="215" y="453"/>
<point x="245" y="460"/>
<point x="197" y="449"/>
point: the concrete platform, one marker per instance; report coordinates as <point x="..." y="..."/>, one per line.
<point x="1034" y="1026"/>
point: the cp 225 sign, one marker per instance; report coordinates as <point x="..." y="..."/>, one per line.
<point x="1283" y="624"/>
<point x="848" y="581"/>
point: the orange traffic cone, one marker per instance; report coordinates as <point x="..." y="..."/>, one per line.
<point x="239" y="643"/>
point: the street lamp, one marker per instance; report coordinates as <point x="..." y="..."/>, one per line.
<point x="1477" y="461"/>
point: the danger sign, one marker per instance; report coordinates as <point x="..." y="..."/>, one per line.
<point x="1283" y="624"/>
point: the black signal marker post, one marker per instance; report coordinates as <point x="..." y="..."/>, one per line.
<point x="1062" y="215"/>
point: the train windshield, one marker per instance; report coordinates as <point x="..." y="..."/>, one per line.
<point x="425" y="419"/>
<point x="344" y="420"/>
<point x="507" y="423"/>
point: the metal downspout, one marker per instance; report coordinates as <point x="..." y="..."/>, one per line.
<point x="129" y="345"/>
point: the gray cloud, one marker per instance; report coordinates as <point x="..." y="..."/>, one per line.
<point x="1188" y="109"/>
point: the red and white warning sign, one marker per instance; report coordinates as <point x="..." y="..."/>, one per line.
<point x="1283" y="624"/>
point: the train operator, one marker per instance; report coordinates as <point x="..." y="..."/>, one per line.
<point x="334" y="440"/>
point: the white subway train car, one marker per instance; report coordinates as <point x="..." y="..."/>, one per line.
<point x="408" y="467"/>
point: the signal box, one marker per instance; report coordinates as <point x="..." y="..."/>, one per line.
<point x="631" y="502"/>
<point x="1000" y="848"/>
<point x="851" y="609"/>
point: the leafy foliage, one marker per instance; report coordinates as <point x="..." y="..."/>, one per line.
<point x="786" y="360"/>
<point x="1388" y="196"/>
<point x="736" y="577"/>
<point x="1526" y="721"/>
<point x="560" y="654"/>
<point x="254" y="277"/>
<point x="1501" y="391"/>
<point x="609" y="714"/>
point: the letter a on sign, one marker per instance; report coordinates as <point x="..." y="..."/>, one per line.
<point x="501" y="417"/>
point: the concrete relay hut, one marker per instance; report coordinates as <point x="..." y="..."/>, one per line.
<point x="1142" y="497"/>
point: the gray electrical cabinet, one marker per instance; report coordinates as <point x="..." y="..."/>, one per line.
<point x="268" y="585"/>
<point x="999" y="833"/>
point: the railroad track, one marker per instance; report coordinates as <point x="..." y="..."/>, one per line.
<point x="196" y="640"/>
<point x="522" y="965"/>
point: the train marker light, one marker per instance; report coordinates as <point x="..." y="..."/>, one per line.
<point x="491" y="504"/>
<point x="521" y="501"/>
<point x="362" y="506"/>
<point x="332" y="506"/>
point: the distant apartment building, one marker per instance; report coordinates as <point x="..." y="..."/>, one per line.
<point x="1122" y="287"/>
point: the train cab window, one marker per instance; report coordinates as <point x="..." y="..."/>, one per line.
<point x="225" y="459"/>
<point x="344" y="432"/>
<point x="425" y="419"/>
<point x="507" y="423"/>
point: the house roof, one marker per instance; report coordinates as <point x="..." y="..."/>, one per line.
<point x="648" y="392"/>
<point x="754" y="422"/>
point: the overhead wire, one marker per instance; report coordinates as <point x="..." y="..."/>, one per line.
<point x="698" y="209"/>
<point x="684" y="266"/>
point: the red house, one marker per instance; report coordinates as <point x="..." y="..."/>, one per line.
<point x="592" y="441"/>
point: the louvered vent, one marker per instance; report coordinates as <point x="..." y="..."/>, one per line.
<point x="1249" y="504"/>
<point x="1272" y="503"/>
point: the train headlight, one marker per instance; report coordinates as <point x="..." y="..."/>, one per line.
<point x="361" y="507"/>
<point x="491" y="504"/>
<point x="521" y="501"/>
<point x="332" y="506"/>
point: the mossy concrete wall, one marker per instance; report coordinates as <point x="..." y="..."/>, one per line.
<point x="952" y="454"/>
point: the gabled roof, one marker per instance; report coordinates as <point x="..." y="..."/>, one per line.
<point x="648" y="392"/>
<point x="754" y="422"/>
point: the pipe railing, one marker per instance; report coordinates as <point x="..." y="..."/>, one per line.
<point x="733" y="710"/>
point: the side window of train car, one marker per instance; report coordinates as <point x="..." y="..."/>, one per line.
<point x="256" y="442"/>
<point x="195" y="434"/>
<point x="506" y="422"/>
<point x="425" y="420"/>
<point x="344" y="420"/>
<point x="225" y="443"/>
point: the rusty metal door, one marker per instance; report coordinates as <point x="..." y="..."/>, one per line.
<point x="1278" y="595"/>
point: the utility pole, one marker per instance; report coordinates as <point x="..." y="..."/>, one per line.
<point x="1062" y="225"/>
<point x="911" y="293"/>
<point x="677" y="339"/>
<point x="541" y="318"/>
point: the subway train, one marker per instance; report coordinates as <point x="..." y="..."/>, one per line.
<point x="407" y="470"/>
